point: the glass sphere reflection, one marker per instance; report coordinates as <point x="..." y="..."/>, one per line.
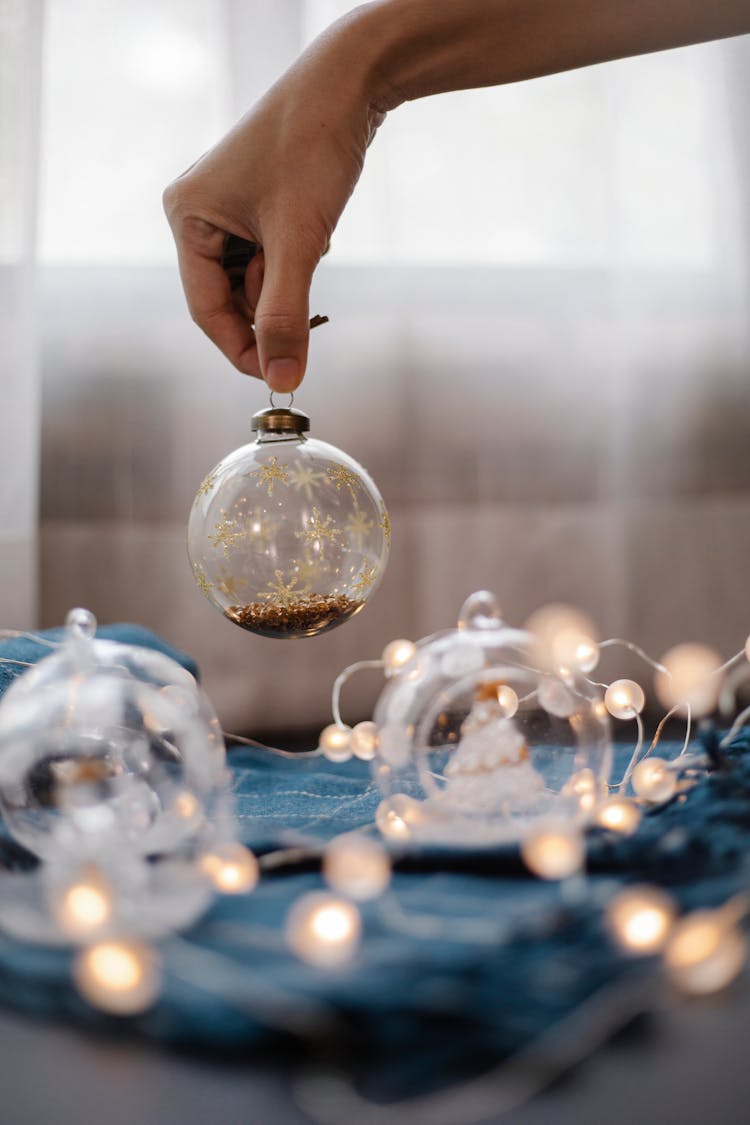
<point x="484" y="737"/>
<point x="108" y="749"/>
<point x="288" y="536"/>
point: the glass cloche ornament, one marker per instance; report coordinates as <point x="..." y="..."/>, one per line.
<point x="288" y="536"/>
<point x="478" y="737"/>
<point x="110" y="749"/>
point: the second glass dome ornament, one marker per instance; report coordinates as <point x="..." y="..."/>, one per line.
<point x="288" y="536"/>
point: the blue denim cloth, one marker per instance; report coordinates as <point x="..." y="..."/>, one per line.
<point x="464" y="961"/>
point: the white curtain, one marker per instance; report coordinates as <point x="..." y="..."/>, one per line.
<point x="538" y="343"/>
<point x="20" y="43"/>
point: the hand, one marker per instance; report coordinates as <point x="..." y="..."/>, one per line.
<point x="280" y="178"/>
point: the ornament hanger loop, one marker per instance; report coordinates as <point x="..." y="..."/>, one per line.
<point x="290" y="404"/>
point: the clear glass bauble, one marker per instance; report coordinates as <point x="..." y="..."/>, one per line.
<point x="288" y="536"/>
<point x="107" y="750"/>
<point x="478" y="740"/>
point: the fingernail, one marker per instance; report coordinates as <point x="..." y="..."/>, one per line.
<point x="283" y="375"/>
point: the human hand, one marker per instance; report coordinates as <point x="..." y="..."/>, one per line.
<point x="281" y="179"/>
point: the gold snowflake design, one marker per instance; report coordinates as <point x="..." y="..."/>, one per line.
<point x="319" y="529"/>
<point x="365" y="580"/>
<point x="270" y="473"/>
<point x="304" y="479"/>
<point x="228" y="585"/>
<point x="283" y="592"/>
<point x="343" y="478"/>
<point x="385" y="523"/>
<point x="358" y="526"/>
<point x="226" y="534"/>
<point x="201" y="579"/>
<point x="207" y="484"/>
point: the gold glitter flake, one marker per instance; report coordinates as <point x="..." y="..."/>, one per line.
<point x="207" y="484"/>
<point x="201" y="579"/>
<point x="228" y="585"/>
<point x="271" y="473"/>
<point x="358" y="526"/>
<point x="304" y="479"/>
<point x="226" y="534"/>
<point x="282" y="592"/>
<point x="365" y="580"/>
<point x="343" y="478"/>
<point x="319" y="529"/>
<point x="385" y="523"/>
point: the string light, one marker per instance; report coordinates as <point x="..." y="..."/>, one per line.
<point x="566" y="637"/>
<point x="84" y="906"/>
<point x="232" y="868"/>
<point x="688" y="681"/>
<point x="624" y="699"/>
<point x="396" y="655"/>
<point x="585" y="788"/>
<point x="654" y="781"/>
<point x="356" y="867"/>
<point x="640" y="918"/>
<point x="121" y="977"/>
<point x="363" y="741"/>
<point x="323" y="930"/>
<point x="508" y="700"/>
<point x="334" y="742"/>
<point x="704" y="954"/>
<point x="554" y="850"/>
<point x="556" y="698"/>
<point x="396" y="816"/>
<point x="619" y="814"/>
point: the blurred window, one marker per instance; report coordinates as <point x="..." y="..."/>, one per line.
<point x="608" y="165"/>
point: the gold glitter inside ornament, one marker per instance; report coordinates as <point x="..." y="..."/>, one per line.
<point x="288" y="536"/>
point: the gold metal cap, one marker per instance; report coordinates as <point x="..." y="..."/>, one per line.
<point x="280" y="420"/>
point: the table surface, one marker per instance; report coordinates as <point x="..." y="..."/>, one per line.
<point x="690" y="1064"/>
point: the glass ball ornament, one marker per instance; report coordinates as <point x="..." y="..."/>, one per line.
<point x="483" y="737"/>
<point x="288" y="536"/>
<point x="109" y="751"/>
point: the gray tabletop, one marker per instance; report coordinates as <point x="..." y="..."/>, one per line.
<point x="690" y="1064"/>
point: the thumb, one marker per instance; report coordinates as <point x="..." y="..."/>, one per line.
<point x="282" y="314"/>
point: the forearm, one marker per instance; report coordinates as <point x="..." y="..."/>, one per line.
<point x="412" y="48"/>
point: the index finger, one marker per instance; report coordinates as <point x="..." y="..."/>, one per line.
<point x="209" y="297"/>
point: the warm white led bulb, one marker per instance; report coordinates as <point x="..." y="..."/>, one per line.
<point x="323" y="930"/>
<point x="619" y="814"/>
<point x="121" y="977"/>
<point x="356" y="867"/>
<point x="363" y="741"/>
<point x="554" y="850"/>
<point x="624" y="699"/>
<point x="396" y="655"/>
<point x="232" y="868"/>
<point x="640" y="919"/>
<point x="556" y="699"/>
<point x="396" y="816"/>
<point x="585" y="654"/>
<point x="586" y="789"/>
<point x="335" y="743"/>
<point x="690" y="679"/>
<point x="84" y="906"/>
<point x="654" y="781"/>
<point x="508" y="700"/>
<point x="704" y="953"/>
